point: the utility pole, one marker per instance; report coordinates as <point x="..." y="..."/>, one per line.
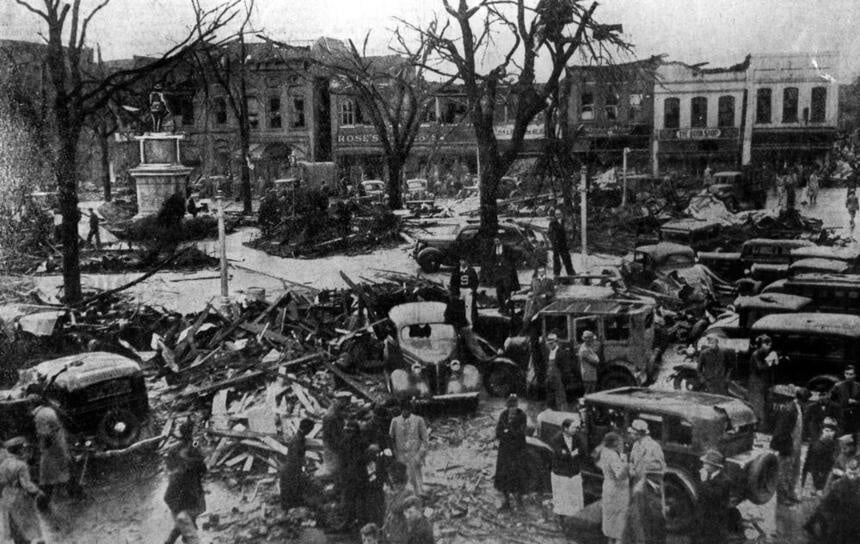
<point x="222" y="248"/>
<point x="624" y="178"/>
<point x="583" y="215"/>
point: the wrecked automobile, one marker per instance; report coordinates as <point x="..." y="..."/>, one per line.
<point x="432" y="361"/>
<point x="98" y="395"/>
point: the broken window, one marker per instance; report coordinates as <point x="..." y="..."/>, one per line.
<point x="298" y="113"/>
<point x="253" y="112"/>
<point x="819" y="104"/>
<point x="762" y="106"/>
<point x="453" y="111"/>
<point x="617" y="328"/>
<point x="586" y="113"/>
<point x="726" y="111"/>
<point x="274" y="112"/>
<point x="672" y="113"/>
<point x="789" y="105"/>
<point x="556" y="324"/>
<point x="699" y="112"/>
<point x="611" y="106"/>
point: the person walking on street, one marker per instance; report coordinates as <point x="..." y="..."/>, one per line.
<point x="716" y="514"/>
<point x="558" y="240"/>
<point x="845" y="401"/>
<point x="812" y="187"/>
<point x="184" y="495"/>
<point x="332" y="435"/>
<point x="852" y="205"/>
<point x="568" y="452"/>
<point x="787" y="441"/>
<point x="20" y="520"/>
<point x="409" y="437"/>
<point x="712" y="368"/>
<point x="511" y="476"/>
<point x="296" y="487"/>
<point x="615" y="496"/>
<point x="559" y="362"/>
<point x="55" y="459"/>
<point x="589" y="362"/>
<point x="820" y="457"/>
<point x="646" y="523"/>
<point x="762" y="361"/>
<point x="95" y="221"/>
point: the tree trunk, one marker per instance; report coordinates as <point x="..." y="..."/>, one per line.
<point x="67" y="184"/>
<point x="104" y="145"/>
<point x="245" y="145"/>
<point x="395" y="182"/>
<point x="489" y="185"/>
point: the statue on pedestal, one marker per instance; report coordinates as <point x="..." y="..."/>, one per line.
<point x="160" y="115"/>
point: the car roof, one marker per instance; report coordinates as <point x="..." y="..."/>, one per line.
<point x="822" y="278"/>
<point x="728" y="173"/>
<point x="689" y="405"/>
<point x="805" y="322"/>
<point x="84" y="369"/>
<point x="827" y="252"/>
<point x="373" y="182"/>
<point x="778" y="242"/>
<point x="689" y="223"/>
<point x="594" y="306"/>
<point x="662" y="250"/>
<point x="818" y="263"/>
<point x="417" y="312"/>
<point x="768" y="301"/>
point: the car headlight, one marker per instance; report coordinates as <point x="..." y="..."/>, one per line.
<point x="416" y="368"/>
<point x="455" y="366"/>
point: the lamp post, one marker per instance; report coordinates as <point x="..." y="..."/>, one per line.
<point x="583" y="215"/>
<point x="222" y="248"/>
<point x="624" y="178"/>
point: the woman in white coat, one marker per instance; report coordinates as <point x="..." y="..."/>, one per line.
<point x="615" y="499"/>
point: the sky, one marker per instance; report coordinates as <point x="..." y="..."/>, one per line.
<point x="721" y="32"/>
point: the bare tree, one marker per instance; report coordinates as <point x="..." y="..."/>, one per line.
<point x="561" y="28"/>
<point x="392" y="93"/>
<point x="227" y="66"/>
<point x="76" y="96"/>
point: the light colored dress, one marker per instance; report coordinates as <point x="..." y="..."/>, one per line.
<point x="17" y="505"/>
<point x="615" y="498"/>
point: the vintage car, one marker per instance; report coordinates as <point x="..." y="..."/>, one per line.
<point x="661" y="267"/>
<point x="374" y="188"/>
<point x="850" y="256"/>
<point x="624" y="329"/>
<point x="429" y="359"/>
<point x="686" y="424"/>
<point x="739" y="191"/>
<point x="813" y="347"/>
<point x="837" y="293"/>
<point x="749" y="309"/>
<point x="529" y="245"/>
<point x="697" y="234"/>
<point x="97" y="394"/>
<point x="762" y="258"/>
<point x="417" y="189"/>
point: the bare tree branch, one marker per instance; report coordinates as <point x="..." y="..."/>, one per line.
<point x="30" y="8"/>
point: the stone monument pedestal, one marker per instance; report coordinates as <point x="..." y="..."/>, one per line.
<point x="160" y="173"/>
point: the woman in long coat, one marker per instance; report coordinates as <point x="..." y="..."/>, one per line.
<point x="615" y="498"/>
<point x="569" y="449"/>
<point x="511" y="464"/>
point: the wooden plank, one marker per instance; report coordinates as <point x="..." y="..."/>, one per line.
<point x="238" y="459"/>
<point x="249" y="463"/>
<point x="271" y="307"/>
<point x="350" y="381"/>
<point x="257" y="329"/>
<point x="274" y="445"/>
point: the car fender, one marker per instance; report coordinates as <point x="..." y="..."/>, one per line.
<point x="537" y="444"/>
<point x="640" y="375"/>
<point x="687" y="481"/>
<point x="504" y="361"/>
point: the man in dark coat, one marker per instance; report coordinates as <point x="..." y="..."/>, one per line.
<point x="503" y="273"/>
<point x="837" y="511"/>
<point x="820" y="456"/>
<point x="845" y="401"/>
<point x="297" y="489"/>
<point x="560" y="251"/>
<point x="464" y="286"/>
<point x="512" y="462"/>
<point x="761" y="376"/>
<point x="353" y="475"/>
<point x="185" y="496"/>
<point x="716" y="516"/>
<point x="786" y="441"/>
<point x="373" y="503"/>
<point x="559" y="365"/>
<point x="394" y="529"/>
<point x="332" y="435"/>
<point x="418" y="528"/>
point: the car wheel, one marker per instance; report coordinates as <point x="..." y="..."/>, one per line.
<point x="502" y="381"/>
<point x="538" y="470"/>
<point x="685" y="380"/>
<point x="616" y="378"/>
<point x="430" y="261"/>
<point x="762" y="475"/>
<point x="822" y="384"/>
<point x="680" y="505"/>
<point x="118" y="429"/>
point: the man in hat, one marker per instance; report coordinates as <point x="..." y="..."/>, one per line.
<point x="558" y="240"/>
<point x="645" y="522"/>
<point x="502" y="270"/>
<point x="558" y="367"/>
<point x="511" y="464"/>
<point x="761" y="376"/>
<point x="297" y="489"/>
<point x="184" y="495"/>
<point x="589" y="362"/>
<point x="717" y="516"/>
<point x="845" y="401"/>
<point x="820" y="457"/>
<point x="408" y="433"/>
<point x="17" y="506"/>
<point x="55" y="459"/>
<point x="332" y="435"/>
<point x="787" y="441"/>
